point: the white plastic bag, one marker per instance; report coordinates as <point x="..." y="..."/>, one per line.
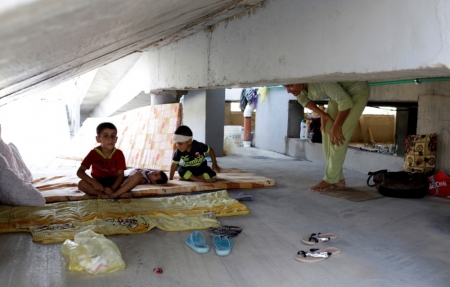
<point x="229" y="147"/>
<point x="93" y="253"/>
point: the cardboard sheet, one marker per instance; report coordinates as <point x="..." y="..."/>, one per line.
<point x="355" y="193"/>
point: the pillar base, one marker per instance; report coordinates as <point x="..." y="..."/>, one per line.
<point x="247" y="143"/>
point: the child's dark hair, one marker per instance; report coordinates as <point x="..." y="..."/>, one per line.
<point x="183" y="131"/>
<point x="163" y="178"/>
<point x="106" y="125"/>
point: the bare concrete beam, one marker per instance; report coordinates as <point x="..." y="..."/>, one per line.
<point x="43" y="43"/>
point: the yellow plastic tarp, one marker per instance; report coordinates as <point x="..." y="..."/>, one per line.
<point x="57" y="222"/>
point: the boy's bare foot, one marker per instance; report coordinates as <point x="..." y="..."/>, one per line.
<point x="108" y="191"/>
<point x="341" y="183"/>
<point x="103" y="196"/>
<point x="322" y="186"/>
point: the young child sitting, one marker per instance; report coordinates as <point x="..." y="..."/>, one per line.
<point x="189" y="158"/>
<point x="108" y="165"/>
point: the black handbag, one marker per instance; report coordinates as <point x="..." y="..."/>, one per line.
<point x="400" y="184"/>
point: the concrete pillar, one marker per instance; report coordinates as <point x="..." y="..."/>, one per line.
<point x="401" y="129"/>
<point x="295" y="116"/>
<point x="433" y="117"/>
<point x="204" y="113"/>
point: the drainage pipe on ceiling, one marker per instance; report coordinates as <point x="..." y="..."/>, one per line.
<point x="416" y="81"/>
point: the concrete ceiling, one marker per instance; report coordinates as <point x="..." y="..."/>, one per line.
<point x="46" y="42"/>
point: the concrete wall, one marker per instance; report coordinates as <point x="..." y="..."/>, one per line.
<point x="203" y="112"/>
<point x="215" y="119"/>
<point x="272" y="120"/>
<point x="233" y="94"/>
<point x="182" y="64"/>
<point x="408" y="92"/>
<point x="134" y="82"/>
<point x="290" y="41"/>
<point x="356" y="159"/>
<point x="194" y="113"/>
<point x="434" y="117"/>
<point x="320" y="40"/>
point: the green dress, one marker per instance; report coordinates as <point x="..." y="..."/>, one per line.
<point x="342" y="96"/>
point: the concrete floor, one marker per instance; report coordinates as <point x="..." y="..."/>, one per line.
<point x="384" y="242"/>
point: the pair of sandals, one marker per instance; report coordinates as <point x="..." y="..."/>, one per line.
<point x="222" y="241"/>
<point x="316" y="254"/>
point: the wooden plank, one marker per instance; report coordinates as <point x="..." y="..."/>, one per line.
<point x="364" y="132"/>
<point x="371" y="136"/>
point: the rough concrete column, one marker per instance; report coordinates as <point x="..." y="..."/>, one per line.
<point x="204" y="113"/>
<point x="401" y="130"/>
<point x="296" y="113"/>
<point x="433" y="117"/>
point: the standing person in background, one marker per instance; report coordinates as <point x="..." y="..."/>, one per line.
<point x="347" y="101"/>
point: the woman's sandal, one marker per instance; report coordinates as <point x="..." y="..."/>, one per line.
<point x="316" y="238"/>
<point x="228" y="230"/>
<point x="316" y="255"/>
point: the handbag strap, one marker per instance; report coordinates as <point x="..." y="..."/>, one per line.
<point x="370" y="176"/>
<point x="434" y="185"/>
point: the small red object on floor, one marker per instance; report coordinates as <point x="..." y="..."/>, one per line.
<point x="158" y="270"/>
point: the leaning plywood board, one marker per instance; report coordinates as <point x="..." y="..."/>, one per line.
<point x="364" y="130"/>
<point x="144" y="136"/>
<point x="371" y="136"/>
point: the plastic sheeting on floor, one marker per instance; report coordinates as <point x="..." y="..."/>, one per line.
<point x="57" y="222"/>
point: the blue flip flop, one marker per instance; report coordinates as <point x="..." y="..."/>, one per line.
<point x="223" y="245"/>
<point x="196" y="241"/>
